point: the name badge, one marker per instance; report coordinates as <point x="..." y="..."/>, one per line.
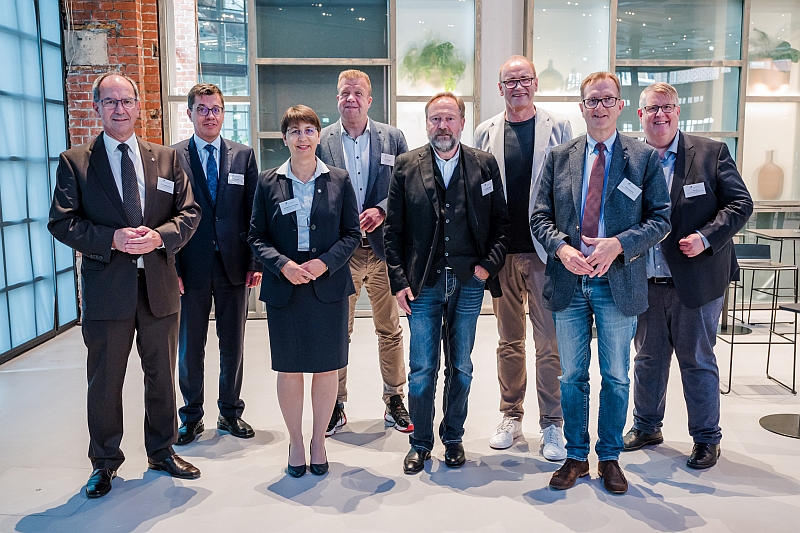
<point x="235" y="179"/>
<point x="487" y="187"/>
<point x="694" y="189"/>
<point x="629" y="189"/>
<point x="289" y="206"/>
<point x="387" y="159"/>
<point x="165" y="185"/>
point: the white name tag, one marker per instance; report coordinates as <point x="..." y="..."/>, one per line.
<point x="235" y="179"/>
<point x="165" y="185"/>
<point x="629" y="189"/>
<point x="694" y="189"/>
<point x="289" y="206"/>
<point x="487" y="187"/>
<point x="387" y="159"/>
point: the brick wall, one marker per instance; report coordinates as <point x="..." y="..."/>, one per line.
<point x="130" y="28"/>
<point x="183" y="25"/>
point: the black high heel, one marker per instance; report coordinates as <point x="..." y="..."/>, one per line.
<point x="319" y="469"/>
<point x="295" y="471"/>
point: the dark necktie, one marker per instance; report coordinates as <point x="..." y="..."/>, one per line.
<point x="212" y="176"/>
<point x="594" y="196"/>
<point x="130" y="189"/>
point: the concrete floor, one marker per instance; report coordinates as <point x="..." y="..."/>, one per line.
<point x="43" y="465"/>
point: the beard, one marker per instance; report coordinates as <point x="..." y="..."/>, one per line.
<point x="443" y="144"/>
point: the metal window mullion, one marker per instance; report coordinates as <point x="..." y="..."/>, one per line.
<point x="612" y="36"/>
<point x="253" y="76"/>
<point x="392" y="89"/>
<point x="745" y="44"/>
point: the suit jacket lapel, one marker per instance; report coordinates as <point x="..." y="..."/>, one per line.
<point x="288" y="193"/>
<point x="198" y="175"/>
<point x="150" y="179"/>
<point x="101" y="167"/>
<point x="224" y="167"/>
<point x="683" y="163"/>
<point x="576" y="164"/>
<point x="470" y="170"/>
<point x="320" y="190"/>
<point x="619" y="159"/>
<point x="334" y="145"/>
<point x="375" y="150"/>
<point x="497" y="146"/>
<point x="543" y="129"/>
<point x="428" y="178"/>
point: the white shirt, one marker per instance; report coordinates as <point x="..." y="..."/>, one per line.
<point x="447" y="167"/>
<point x="115" y="159"/>
<point x="203" y="153"/>
<point x="356" y="162"/>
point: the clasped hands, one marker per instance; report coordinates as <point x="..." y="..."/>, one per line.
<point x="597" y="263"/>
<point x="136" y="241"/>
<point x="308" y="271"/>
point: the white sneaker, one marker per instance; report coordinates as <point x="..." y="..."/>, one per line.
<point x="553" y="447"/>
<point x="504" y="435"/>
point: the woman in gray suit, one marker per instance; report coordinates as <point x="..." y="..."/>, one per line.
<point x="303" y="230"/>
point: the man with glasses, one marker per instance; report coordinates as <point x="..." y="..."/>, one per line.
<point x="216" y="265"/>
<point x="688" y="273"/>
<point x="127" y="206"/>
<point x="367" y="149"/>
<point x="520" y="138"/>
<point x="601" y="205"/>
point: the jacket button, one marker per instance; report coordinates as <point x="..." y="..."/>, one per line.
<point x="133" y="261"/>
<point x="216" y="219"/>
<point x="313" y="250"/>
<point x="313" y="226"/>
<point x="447" y="254"/>
<point x="213" y="242"/>
<point x="447" y="238"/>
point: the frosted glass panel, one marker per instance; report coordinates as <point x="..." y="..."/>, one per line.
<point x="33" y="129"/>
<point x="5" y="333"/>
<point x="11" y="116"/>
<point x="41" y="250"/>
<point x="571" y="110"/>
<point x="411" y="120"/>
<point x="771" y="135"/>
<point x="17" y="252"/>
<point x="56" y="129"/>
<point x="563" y="61"/>
<point x="53" y="83"/>
<point x="23" y="318"/>
<point x="49" y="22"/>
<point x="65" y="256"/>
<point x="774" y="25"/>
<point x="45" y="306"/>
<point x="435" y="47"/>
<point x="67" y="298"/>
<point x="9" y="44"/>
<point x="13" y="190"/>
<point x="38" y="190"/>
<point x="30" y="77"/>
<point x="26" y="17"/>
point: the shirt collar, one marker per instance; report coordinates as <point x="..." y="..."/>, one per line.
<point x="112" y="144"/>
<point x="345" y="134"/>
<point x="673" y="146"/>
<point x="201" y="144"/>
<point x="286" y="170"/>
<point x="609" y="143"/>
<point x="445" y="161"/>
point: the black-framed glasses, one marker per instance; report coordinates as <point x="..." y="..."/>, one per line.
<point x="511" y="83"/>
<point x="111" y="103"/>
<point x="666" y="108"/>
<point x="608" y="101"/>
<point x="203" y="110"/>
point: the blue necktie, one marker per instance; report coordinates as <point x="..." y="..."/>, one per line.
<point x="212" y="176"/>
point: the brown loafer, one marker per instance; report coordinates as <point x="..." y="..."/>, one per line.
<point x="613" y="479"/>
<point x="566" y="476"/>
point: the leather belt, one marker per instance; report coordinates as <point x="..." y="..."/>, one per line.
<point x="661" y="281"/>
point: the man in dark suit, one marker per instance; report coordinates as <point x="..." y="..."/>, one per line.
<point x="602" y="203"/>
<point x="216" y="263"/>
<point x="127" y="206"/>
<point x="446" y="235"/>
<point x="367" y="149"/>
<point x="688" y="274"/>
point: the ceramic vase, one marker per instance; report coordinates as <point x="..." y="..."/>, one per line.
<point x="770" y="179"/>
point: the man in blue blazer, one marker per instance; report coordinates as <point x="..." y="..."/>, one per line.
<point x="601" y="205"/>
<point x="217" y="264"/>
<point x="366" y="149"/>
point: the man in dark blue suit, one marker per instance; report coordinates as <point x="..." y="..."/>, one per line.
<point x="216" y="264"/>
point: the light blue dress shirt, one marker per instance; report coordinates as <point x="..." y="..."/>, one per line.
<point x="591" y="155"/>
<point x="304" y="192"/>
<point x="447" y="167"/>
<point x="203" y="153"/>
<point x="356" y="162"/>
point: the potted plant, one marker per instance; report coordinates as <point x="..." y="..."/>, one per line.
<point x="439" y="63"/>
<point x="770" y="61"/>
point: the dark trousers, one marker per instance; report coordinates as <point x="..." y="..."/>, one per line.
<point x="230" y="315"/>
<point x="109" y="342"/>
<point x="668" y="325"/>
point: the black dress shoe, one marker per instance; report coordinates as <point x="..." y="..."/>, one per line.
<point x="415" y="460"/>
<point x="175" y="467"/>
<point x="188" y="431"/>
<point x="100" y="482"/>
<point x="613" y="479"/>
<point x="295" y="471"/>
<point x="704" y="455"/>
<point x="635" y="439"/>
<point x="318" y="469"/>
<point x="236" y="427"/>
<point x="454" y="455"/>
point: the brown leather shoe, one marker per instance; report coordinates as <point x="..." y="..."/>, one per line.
<point x="613" y="479"/>
<point x="566" y="476"/>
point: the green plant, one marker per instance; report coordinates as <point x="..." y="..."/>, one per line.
<point x="435" y="55"/>
<point x="766" y="47"/>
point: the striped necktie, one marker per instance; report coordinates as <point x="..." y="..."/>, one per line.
<point x="130" y="189"/>
<point x="594" y="196"/>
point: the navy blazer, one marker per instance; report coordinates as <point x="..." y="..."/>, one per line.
<point x="638" y="224"/>
<point x="333" y="237"/>
<point x="225" y="224"/>
<point x="383" y="139"/>
<point x="718" y="214"/>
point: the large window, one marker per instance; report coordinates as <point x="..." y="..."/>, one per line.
<point x="38" y="286"/>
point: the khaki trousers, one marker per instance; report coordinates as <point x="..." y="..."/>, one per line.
<point x="369" y="270"/>
<point x="522" y="278"/>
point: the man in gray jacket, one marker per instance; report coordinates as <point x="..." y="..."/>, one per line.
<point x="602" y="204"/>
<point x="520" y="138"/>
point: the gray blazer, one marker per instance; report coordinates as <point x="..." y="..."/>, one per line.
<point x="383" y="139"/>
<point x="550" y="130"/>
<point x="638" y="224"/>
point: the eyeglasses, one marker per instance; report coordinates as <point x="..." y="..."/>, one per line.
<point x="666" y="108"/>
<point x="203" y="110"/>
<point x="296" y="132"/>
<point x="608" y="101"/>
<point x="525" y="82"/>
<point x="111" y="103"/>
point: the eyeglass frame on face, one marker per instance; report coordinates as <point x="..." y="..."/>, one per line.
<point x="512" y="83"/>
<point x="112" y="103"/>
<point x="649" y="109"/>
<point x="597" y="101"/>
<point x="203" y="111"/>
<point x="296" y="132"/>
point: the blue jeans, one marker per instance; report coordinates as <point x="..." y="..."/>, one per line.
<point x="592" y="300"/>
<point x="445" y="314"/>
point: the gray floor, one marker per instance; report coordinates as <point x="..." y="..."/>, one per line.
<point x="43" y="465"/>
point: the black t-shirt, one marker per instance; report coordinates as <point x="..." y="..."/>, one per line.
<point x="518" y="145"/>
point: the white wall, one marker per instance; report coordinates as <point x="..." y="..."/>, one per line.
<point x="502" y="27"/>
